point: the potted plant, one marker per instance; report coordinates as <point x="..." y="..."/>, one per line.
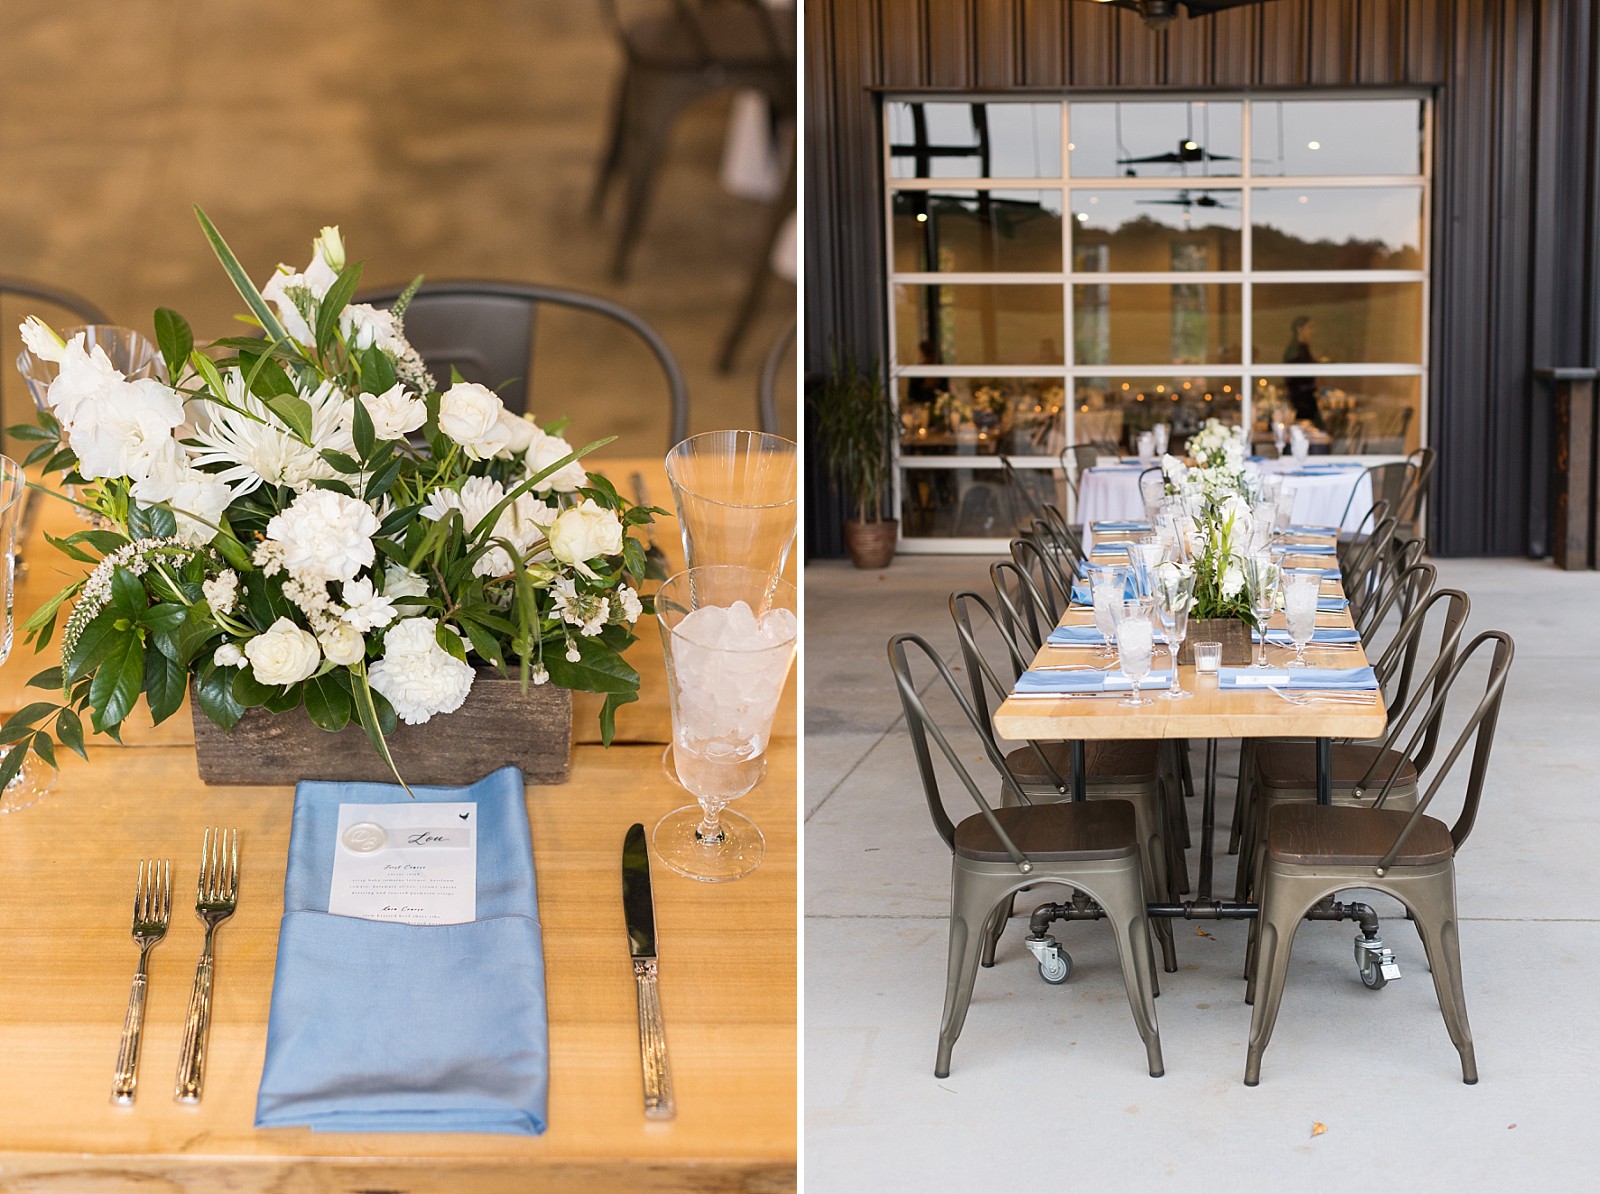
<point x="856" y="425"/>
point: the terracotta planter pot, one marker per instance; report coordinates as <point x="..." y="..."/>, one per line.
<point x="1234" y="635"/>
<point x="497" y="725"/>
<point x="871" y="544"/>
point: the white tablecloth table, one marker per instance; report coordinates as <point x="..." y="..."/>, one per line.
<point x="1321" y="491"/>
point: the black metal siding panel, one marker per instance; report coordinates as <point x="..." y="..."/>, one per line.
<point x="1516" y="248"/>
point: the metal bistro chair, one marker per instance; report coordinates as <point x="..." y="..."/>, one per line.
<point x="767" y="417"/>
<point x="1315" y="851"/>
<point x="485" y="331"/>
<point x="1089" y="845"/>
<point x="1115" y="769"/>
<point x="1411" y="507"/>
<point x="672" y="57"/>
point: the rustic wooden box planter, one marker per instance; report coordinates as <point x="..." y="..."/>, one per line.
<point x="499" y="724"/>
<point x="1234" y="635"/>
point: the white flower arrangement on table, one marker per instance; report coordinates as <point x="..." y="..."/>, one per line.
<point x="303" y="518"/>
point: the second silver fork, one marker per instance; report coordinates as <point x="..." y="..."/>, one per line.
<point x="216" y="898"/>
<point x="152" y="912"/>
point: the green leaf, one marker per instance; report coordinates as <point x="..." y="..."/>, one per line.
<point x="362" y="431"/>
<point x="196" y="631"/>
<point x="69" y="732"/>
<point x="267" y="378"/>
<point x="165" y="682"/>
<point x="176" y="340"/>
<point x="69" y="550"/>
<point x="44" y="748"/>
<point x="96" y="641"/>
<point x="293" y="411"/>
<point x="216" y="696"/>
<point x="333" y="304"/>
<point x="450" y="641"/>
<point x="49" y="678"/>
<point x="377" y="371"/>
<point x="608" y="714"/>
<point x="31" y="714"/>
<point x="41" y="624"/>
<point x="127" y="594"/>
<point x="383" y="480"/>
<point x="207" y="369"/>
<point x="169" y="615"/>
<point x="367" y="714"/>
<point x="33" y="432"/>
<point x="241" y="280"/>
<point x="151" y="522"/>
<point x="599" y="670"/>
<point x="342" y="461"/>
<point x="11" y="764"/>
<point x="327" y="702"/>
<point x="284" y="700"/>
<point x="248" y="691"/>
<point x="233" y="551"/>
<point x="14" y="731"/>
<point x="117" y="682"/>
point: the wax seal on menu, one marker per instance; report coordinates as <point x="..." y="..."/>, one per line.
<point x="365" y="837"/>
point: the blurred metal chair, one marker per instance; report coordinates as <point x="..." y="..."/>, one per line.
<point x="1312" y="852"/>
<point x="1089" y="845"/>
<point x="485" y="331"/>
<point x="673" y="56"/>
<point x="767" y="416"/>
<point x="82" y="308"/>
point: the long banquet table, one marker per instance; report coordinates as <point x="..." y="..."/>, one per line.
<point x="66" y="960"/>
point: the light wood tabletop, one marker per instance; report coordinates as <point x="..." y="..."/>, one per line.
<point x="66" y="959"/>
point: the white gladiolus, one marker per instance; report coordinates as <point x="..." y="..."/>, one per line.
<point x="325" y="535"/>
<point x="284" y="654"/>
<point x="40" y="339"/>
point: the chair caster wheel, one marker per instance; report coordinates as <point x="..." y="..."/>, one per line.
<point x="1375" y="962"/>
<point x="1055" y="964"/>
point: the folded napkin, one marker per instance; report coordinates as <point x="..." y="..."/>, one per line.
<point x="1081" y="594"/>
<point x="384" y="1027"/>
<point x="1111" y="524"/>
<point x="1323" y="634"/>
<point x="1084" y="636"/>
<point x="1329" y="678"/>
<point x="1329" y="605"/>
<point x="1040" y="682"/>
<point x="1325" y="573"/>
<point x="1113" y="546"/>
<point x="1306" y="529"/>
<point x="1305" y="549"/>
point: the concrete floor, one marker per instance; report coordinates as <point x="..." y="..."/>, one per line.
<point x="1048" y="1084"/>
<point x="451" y="140"/>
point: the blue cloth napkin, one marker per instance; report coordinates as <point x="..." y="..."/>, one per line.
<point x="1323" y="634"/>
<point x="1038" y="682"/>
<point x="383" y="1027"/>
<point x="1081" y="594"/>
<point x="1305" y="549"/>
<point x="1325" y="573"/>
<point x="1300" y="677"/>
<point x="1109" y="546"/>
<point x="1331" y="605"/>
<point x="1109" y="524"/>
<point x="1303" y="529"/>
<point x="1084" y="636"/>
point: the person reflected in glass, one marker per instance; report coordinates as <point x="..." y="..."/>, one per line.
<point x="1302" y="391"/>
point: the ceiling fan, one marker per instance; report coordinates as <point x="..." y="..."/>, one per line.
<point x="1189" y="150"/>
<point x="1158" y="14"/>
<point x="1205" y="199"/>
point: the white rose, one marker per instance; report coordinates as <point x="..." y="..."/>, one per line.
<point x="519" y="432"/>
<point x="401" y="582"/>
<point x="394" y="412"/>
<point x="544" y="451"/>
<point x="325" y="535"/>
<point x="284" y="654"/>
<point x="470" y="415"/>
<point x="343" y="644"/>
<point x="330" y="247"/>
<point x="585" y="531"/>
<point x="418" y="676"/>
<point x="228" y="655"/>
<point x="199" y="500"/>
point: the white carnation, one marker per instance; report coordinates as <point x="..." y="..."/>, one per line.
<point x="418" y="676"/>
<point x="629" y="604"/>
<point x="325" y="535"/>
<point x="284" y="654"/>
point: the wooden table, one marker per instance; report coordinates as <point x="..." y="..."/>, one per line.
<point x="727" y="981"/>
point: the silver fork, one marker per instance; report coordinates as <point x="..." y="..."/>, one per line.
<point x="1308" y="698"/>
<point x="152" y="912"/>
<point x="216" y="898"/>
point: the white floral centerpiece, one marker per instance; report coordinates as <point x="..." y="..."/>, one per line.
<point x="304" y="518"/>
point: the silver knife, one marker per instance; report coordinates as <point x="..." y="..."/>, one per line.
<point x="638" y="910"/>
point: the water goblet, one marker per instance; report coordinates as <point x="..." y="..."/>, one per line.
<point x="1162" y="433"/>
<point x="729" y="635"/>
<point x="1146" y="445"/>
<point x="1146" y="554"/>
<point x="32" y="777"/>
<point x="1135" y="640"/>
<point x="735" y="492"/>
<point x="1280" y="434"/>
<point x="1264" y="578"/>
<point x="1174" y="595"/>
<point x="1300" y="610"/>
<point x="1108" y="590"/>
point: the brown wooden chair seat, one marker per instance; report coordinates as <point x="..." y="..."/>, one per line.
<point x="1345" y="835"/>
<point x="1052" y="832"/>
<point x="1286" y="764"/>
<point x="1113" y="760"/>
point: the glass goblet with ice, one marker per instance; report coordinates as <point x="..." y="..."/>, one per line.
<point x="1135" y="641"/>
<point x="729" y="634"/>
<point x="1108" y="591"/>
<point x="1264" y="578"/>
<point x="1300" y="610"/>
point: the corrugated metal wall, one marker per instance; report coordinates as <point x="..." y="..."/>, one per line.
<point x="1516" y="263"/>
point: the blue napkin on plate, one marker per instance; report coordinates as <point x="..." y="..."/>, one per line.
<point x="1111" y="547"/>
<point x="1081" y="594"/>
<point x="383" y="1027"/>
<point x="1322" y="634"/>
<point x="1084" y="636"/>
<point x="1305" y="549"/>
<point x="1329" y="678"/>
<point x="1331" y="605"/>
<point x="1305" y="529"/>
<point x="1111" y="524"/>
<point x="1039" y="682"/>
